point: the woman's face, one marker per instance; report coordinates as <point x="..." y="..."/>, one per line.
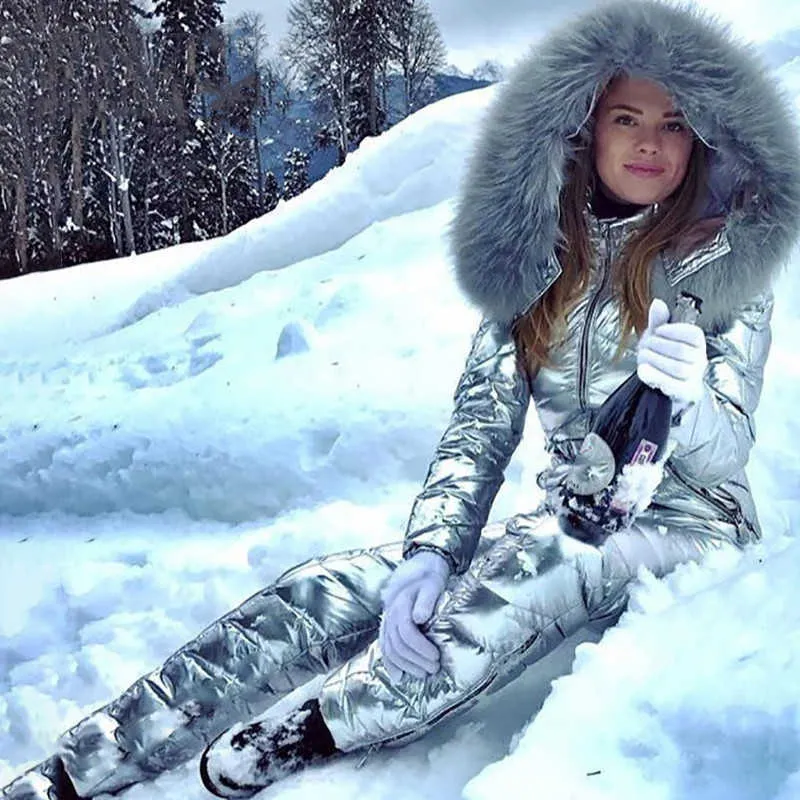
<point x="637" y="124"/>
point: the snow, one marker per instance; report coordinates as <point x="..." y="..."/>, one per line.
<point x="181" y="427"/>
<point x="638" y="482"/>
<point x="692" y="695"/>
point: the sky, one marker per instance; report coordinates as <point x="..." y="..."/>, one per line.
<point x="473" y="34"/>
<point x="182" y="426"/>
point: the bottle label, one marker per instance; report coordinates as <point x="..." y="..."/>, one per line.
<point x="593" y="468"/>
<point x="639" y="479"/>
<point x="645" y="452"/>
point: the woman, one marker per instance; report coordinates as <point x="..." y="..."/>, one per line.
<point x="573" y="256"/>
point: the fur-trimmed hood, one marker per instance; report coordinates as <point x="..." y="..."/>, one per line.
<point x="504" y="233"/>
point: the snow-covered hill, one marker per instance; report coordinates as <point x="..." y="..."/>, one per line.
<point x="181" y="427"/>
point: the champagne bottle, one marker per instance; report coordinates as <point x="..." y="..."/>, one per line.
<point x="630" y="431"/>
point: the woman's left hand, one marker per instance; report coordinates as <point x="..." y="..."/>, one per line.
<point x="671" y="356"/>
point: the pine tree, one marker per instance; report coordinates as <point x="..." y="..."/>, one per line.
<point x="252" y="103"/>
<point x="121" y="107"/>
<point x="16" y="71"/>
<point x="79" y="243"/>
<point x="272" y="192"/>
<point x="121" y="130"/>
<point x="192" y="54"/>
<point x="295" y="175"/>
<point x="370" y="49"/>
<point x="227" y="178"/>
<point x="342" y="50"/>
<point x="33" y="134"/>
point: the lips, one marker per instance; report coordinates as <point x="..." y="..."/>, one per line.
<point x="644" y="171"/>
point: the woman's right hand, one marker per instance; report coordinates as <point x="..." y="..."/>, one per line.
<point x="409" y="599"/>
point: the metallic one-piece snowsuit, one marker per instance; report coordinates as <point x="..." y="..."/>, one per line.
<point x="519" y="585"/>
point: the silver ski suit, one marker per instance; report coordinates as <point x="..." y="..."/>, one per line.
<point x="519" y="586"/>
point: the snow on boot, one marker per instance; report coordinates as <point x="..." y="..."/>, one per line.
<point x="46" y="781"/>
<point x="249" y="757"/>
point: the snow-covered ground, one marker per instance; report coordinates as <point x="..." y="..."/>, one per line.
<point x="181" y="427"/>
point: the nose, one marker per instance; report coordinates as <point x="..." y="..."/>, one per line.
<point x="649" y="143"/>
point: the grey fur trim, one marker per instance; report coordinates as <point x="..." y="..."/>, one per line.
<point x="505" y="229"/>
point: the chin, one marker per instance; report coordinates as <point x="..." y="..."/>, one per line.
<point x="641" y="198"/>
<point x="644" y="200"/>
<point x="633" y="191"/>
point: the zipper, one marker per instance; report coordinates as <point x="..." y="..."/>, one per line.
<point x="584" y="351"/>
<point x="734" y="514"/>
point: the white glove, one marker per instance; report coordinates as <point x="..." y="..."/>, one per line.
<point x="671" y="356"/>
<point x="409" y="599"/>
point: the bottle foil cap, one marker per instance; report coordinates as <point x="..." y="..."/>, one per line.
<point x="593" y="468"/>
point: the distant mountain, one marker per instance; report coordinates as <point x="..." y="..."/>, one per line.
<point x="297" y="127"/>
<point x="452" y="69"/>
<point x="489" y="70"/>
<point x="492" y="71"/>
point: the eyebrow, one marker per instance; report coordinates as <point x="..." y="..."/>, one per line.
<point x="639" y="110"/>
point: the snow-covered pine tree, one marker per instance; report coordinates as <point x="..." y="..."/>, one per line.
<point x="192" y="56"/>
<point x="370" y="47"/>
<point x="154" y="219"/>
<point x="272" y="192"/>
<point x="17" y="58"/>
<point x="295" y="173"/>
<point x="121" y="102"/>
<point x="227" y="173"/>
<point x="247" y="46"/>
<point x="44" y="101"/>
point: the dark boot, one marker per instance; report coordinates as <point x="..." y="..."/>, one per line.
<point x="46" y="781"/>
<point x="244" y="760"/>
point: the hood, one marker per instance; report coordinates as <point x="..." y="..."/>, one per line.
<point x="504" y="233"/>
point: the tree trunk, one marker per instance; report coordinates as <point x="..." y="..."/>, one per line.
<point x="384" y="89"/>
<point x="256" y="147"/>
<point x="113" y="210"/>
<point x="372" y="98"/>
<point x="54" y="179"/>
<point x="21" y="233"/>
<point x="122" y="184"/>
<point x="344" y="100"/>
<point x="76" y="200"/>
<point x="223" y="182"/>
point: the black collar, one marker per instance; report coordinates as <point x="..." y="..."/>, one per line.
<point x="604" y="207"/>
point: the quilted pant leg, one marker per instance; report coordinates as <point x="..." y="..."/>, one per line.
<point x="314" y="617"/>
<point x="534" y="588"/>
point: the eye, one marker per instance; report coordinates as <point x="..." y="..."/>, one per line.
<point x="679" y="129"/>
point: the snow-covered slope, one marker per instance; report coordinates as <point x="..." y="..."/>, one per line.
<point x="180" y="427"/>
